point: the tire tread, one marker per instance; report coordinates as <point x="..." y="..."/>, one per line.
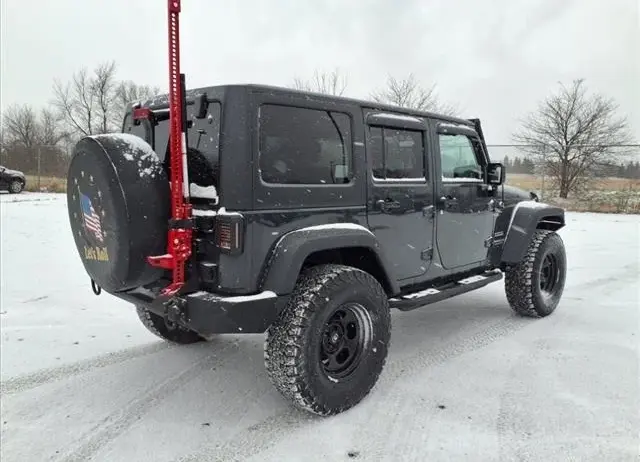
<point x="519" y="278"/>
<point x="284" y="357"/>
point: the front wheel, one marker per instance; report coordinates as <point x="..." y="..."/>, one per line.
<point x="535" y="285"/>
<point x="329" y="345"/>
<point x="166" y="330"/>
<point x="16" y="186"/>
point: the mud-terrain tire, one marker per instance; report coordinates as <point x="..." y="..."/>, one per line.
<point x="535" y="285"/>
<point x="16" y="186"/>
<point x="160" y="328"/>
<point x="328" y="347"/>
<point x="118" y="204"/>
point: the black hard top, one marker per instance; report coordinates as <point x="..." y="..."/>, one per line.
<point x="218" y="91"/>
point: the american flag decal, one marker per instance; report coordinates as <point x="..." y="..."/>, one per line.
<point x="90" y="218"/>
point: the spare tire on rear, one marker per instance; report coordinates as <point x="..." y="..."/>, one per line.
<point x="119" y="203"/>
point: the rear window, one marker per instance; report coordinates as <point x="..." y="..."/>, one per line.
<point x="203" y="140"/>
<point x="304" y="146"/>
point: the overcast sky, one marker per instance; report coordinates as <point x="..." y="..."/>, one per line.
<point x="493" y="59"/>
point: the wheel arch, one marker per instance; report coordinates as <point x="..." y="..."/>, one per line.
<point x="525" y="219"/>
<point x="343" y="243"/>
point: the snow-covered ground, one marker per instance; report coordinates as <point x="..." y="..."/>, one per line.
<point x="465" y="380"/>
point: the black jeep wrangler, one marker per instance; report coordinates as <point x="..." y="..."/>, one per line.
<point x="312" y="217"/>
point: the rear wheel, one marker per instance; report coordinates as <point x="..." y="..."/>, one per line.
<point x="329" y="345"/>
<point x="166" y="330"/>
<point x="535" y="285"/>
<point x="16" y="186"/>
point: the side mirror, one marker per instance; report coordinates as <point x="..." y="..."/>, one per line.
<point x="495" y="173"/>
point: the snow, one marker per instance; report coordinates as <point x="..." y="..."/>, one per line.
<point x="203" y="192"/>
<point x="241" y="298"/>
<point x="137" y="150"/>
<point x="351" y="226"/>
<point x="401" y="180"/>
<point x="223" y="212"/>
<point x="465" y="378"/>
<point x="400" y="117"/>
<point x="455" y="126"/>
<point x="461" y="180"/>
<point x="204" y="213"/>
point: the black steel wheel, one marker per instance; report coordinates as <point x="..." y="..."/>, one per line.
<point x="346" y="335"/>
<point x="549" y="274"/>
<point x="329" y="345"/>
<point x="535" y="285"/>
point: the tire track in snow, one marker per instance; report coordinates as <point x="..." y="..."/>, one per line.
<point x="121" y="420"/>
<point x="253" y="440"/>
<point x="515" y="439"/>
<point x="266" y="434"/>
<point x="417" y="363"/>
<point x="53" y="374"/>
<point x="621" y="273"/>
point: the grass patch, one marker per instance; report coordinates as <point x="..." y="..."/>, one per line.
<point x="47" y="184"/>
<point x="605" y="195"/>
<point x="534" y="183"/>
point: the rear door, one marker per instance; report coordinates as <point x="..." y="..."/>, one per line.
<point x="400" y="191"/>
<point x="465" y="204"/>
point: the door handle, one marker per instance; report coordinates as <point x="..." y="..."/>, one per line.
<point x="429" y="211"/>
<point x="388" y="204"/>
<point x="448" y="202"/>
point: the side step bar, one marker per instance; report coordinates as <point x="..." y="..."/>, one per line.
<point x="424" y="297"/>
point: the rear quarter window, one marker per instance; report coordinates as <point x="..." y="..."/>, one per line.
<point x="304" y="146"/>
<point x="204" y="146"/>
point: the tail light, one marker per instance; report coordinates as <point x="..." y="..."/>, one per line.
<point x="230" y="233"/>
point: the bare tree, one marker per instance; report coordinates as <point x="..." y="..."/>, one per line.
<point x="30" y="141"/>
<point x="409" y="93"/>
<point x="51" y="130"/>
<point x="331" y="83"/>
<point x="128" y="92"/>
<point x="87" y="103"/>
<point x="20" y="126"/>
<point x="571" y="134"/>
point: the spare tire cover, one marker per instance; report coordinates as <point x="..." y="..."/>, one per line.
<point x="119" y="203"/>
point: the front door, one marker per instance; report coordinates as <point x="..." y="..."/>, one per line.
<point x="400" y="198"/>
<point x="465" y="204"/>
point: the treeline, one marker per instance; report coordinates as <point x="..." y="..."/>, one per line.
<point x="39" y="140"/>
<point x="573" y="135"/>
<point x="629" y="169"/>
<point x="518" y="165"/>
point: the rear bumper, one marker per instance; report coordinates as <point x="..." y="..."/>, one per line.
<point x="207" y="313"/>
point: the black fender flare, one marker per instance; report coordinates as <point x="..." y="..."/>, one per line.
<point x="526" y="218"/>
<point x="290" y="251"/>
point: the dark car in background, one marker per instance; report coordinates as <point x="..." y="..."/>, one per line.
<point x="13" y="181"/>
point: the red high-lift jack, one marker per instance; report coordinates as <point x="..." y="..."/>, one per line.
<point x="179" y="239"/>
